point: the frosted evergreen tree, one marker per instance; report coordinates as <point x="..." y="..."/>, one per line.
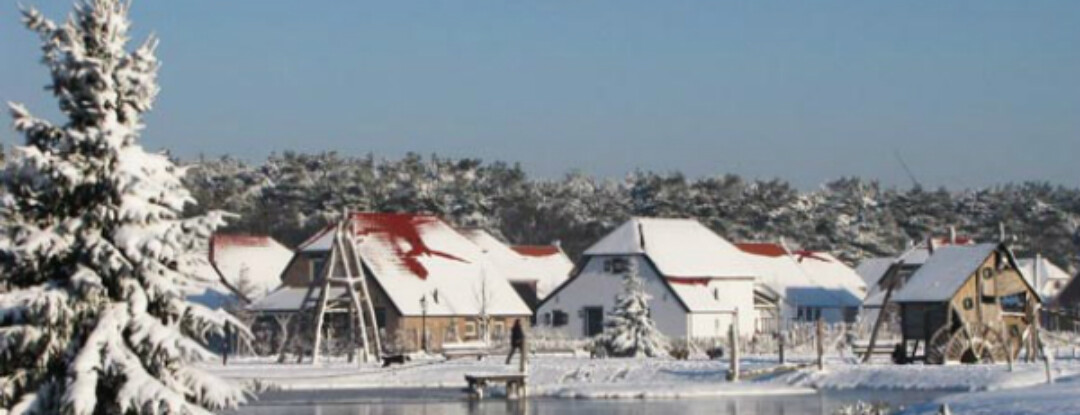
<point x="629" y="330"/>
<point x="93" y="242"/>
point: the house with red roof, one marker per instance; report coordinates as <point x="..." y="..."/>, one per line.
<point x="811" y="285"/>
<point x="533" y="270"/>
<point x="699" y="283"/>
<point x="424" y="277"/>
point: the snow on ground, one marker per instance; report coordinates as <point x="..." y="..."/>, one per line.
<point x="840" y="376"/>
<point x="1062" y="397"/>
<point x="567" y="377"/>
<point x="996" y="389"/>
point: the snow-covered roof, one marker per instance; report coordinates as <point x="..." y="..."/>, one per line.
<point x="782" y="272"/>
<point x="943" y="273"/>
<point x="872" y="269"/>
<point x="547" y="266"/>
<point x="254" y="262"/>
<point x="1050" y="280"/>
<point x="826" y="269"/>
<point x="288" y="299"/>
<point x="417" y="256"/>
<point x="698" y="298"/>
<point x="680" y="248"/>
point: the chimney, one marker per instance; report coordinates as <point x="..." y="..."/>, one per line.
<point x="930" y="244"/>
<point x="1001" y="232"/>
<point x="952" y="235"/>
<point x="641" y="235"/>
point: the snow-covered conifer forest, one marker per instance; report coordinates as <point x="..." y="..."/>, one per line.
<point x="291" y="194"/>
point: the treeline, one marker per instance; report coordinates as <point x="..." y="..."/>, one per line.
<point x="291" y="195"/>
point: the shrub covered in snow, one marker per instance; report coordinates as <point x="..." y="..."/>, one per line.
<point x="93" y="242"/>
<point x="629" y="330"/>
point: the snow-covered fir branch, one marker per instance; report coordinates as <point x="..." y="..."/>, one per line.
<point x="93" y="239"/>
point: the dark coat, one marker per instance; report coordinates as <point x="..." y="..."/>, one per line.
<point x="517" y="336"/>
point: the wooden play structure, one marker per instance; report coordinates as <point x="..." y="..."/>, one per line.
<point x="341" y="288"/>
<point x="968" y="304"/>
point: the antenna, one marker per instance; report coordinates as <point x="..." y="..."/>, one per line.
<point x="907" y="169"/>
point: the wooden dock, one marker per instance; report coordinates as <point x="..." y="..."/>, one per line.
<point x="515" y="384"/>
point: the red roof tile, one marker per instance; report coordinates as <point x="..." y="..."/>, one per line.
<point x="536" y="250"/>
<point x="763" y="249"/>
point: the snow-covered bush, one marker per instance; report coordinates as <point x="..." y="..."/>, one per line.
<point x="629" y="330"/>
<point x="93" y="242"/>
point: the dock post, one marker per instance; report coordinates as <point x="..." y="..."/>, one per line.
<point x="780" y="341"/>
<point x="733" y="339"/>
<point x="820" y="344"/>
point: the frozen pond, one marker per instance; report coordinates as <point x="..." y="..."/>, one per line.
<point x="452" y="402"/>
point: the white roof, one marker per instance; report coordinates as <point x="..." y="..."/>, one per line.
<point x="416" y="256"/>
<point x="288" y="299"/>
<point x="680" y="248"/>
<point x="548" y="268"/>
<point x="782" y="273"/>
<point x="872" y="269"/>
<point x="943" y="273"/>
<point x="254" y="261"/>
<point x="1051" y="278"/>
<point x="830" y="271"/>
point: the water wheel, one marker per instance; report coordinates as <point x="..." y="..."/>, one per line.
<point x="936" y="347"/>
<point x="976" y="343"/>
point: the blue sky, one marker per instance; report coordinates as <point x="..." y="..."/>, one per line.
<point x="971" y="93"/>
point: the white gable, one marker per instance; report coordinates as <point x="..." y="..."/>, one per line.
<point x="680" y="248"/>
<point x="1050" y="280"/>
<point x="253" y="261"/>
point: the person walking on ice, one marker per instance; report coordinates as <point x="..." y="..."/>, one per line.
<point x="517" y="341"/>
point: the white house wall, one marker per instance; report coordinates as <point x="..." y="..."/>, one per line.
<point x="595" y="288"/>
<point x="735" y="294"/>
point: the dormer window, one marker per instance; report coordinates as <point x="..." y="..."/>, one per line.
<point x="617" y="265"/>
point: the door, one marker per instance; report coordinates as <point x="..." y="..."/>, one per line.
<point x="594" y="321"/>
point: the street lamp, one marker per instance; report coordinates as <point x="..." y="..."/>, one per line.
<point x="423" y="322"/>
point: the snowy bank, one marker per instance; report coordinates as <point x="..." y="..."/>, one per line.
<point x="562" y="377"/>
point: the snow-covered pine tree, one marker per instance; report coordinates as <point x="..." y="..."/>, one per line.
<point x="93" y="241"/>
<point x="629" y="330"/>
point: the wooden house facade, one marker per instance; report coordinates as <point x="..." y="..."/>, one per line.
<point x="966" y="304"/>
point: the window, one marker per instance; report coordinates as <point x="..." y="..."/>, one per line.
<point x="498" y="329"/>
<point x="1014" y="303"/>
<point x="470" y="330"/>
<point x="808" y="314"/>
<point x="988" y="274"/>
<point x="317" y="265"/>
<point x="616" y="265"/>
<point x="716" y="294"/>
<point x="559" y="318"/>
<point x="969" y="303"/>
<point x="451" y="331"/>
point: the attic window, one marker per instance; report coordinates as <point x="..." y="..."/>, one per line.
<point x="987" y="273"/>
<point x="1014" y="303"/>
<point x="616" y="265"/>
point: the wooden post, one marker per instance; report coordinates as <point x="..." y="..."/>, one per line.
<point x="780" y="341"/>
<point x="820" y="343"/>
<point x="1008" y="350"/>
<point x="1042" y="347"/>
<point x="733" y="339"/>
<point x="890" y="283"/>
